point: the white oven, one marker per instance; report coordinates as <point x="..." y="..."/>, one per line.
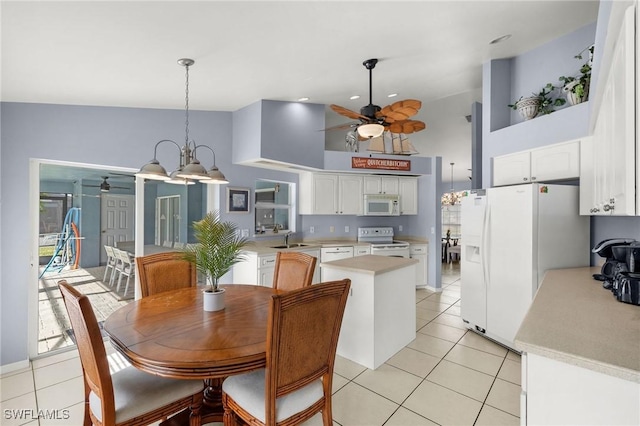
<point x="382" y="242"/>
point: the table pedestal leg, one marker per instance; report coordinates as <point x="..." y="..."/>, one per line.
<point x="212" y="403"/>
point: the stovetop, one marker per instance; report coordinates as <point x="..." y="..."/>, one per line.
<point x="378" y="235"/>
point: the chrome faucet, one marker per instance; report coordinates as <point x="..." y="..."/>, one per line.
<point x="286" y="238"/>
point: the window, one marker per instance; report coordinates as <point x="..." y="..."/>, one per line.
<point x="273" y="207"/>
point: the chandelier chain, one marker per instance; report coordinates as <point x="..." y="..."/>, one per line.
<point x="186" y="106"/>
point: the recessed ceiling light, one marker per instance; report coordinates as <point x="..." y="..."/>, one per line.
<point x="302" y="99"/>
<point x="392" y="95"/>
<point x="500" y="39"/>
<point x="354" y="97"/>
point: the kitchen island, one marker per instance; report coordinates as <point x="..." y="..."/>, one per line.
<point x="580" y="353"/>
<point x="380" y="315"/>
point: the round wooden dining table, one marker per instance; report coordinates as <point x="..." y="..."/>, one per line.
<point x="169" y="334"/>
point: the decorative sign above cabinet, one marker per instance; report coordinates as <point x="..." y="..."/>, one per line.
<point x="380" y="164"/>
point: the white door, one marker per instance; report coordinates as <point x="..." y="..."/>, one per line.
<point x="350" y="194"/>
<point x="512" y="169"/>
<point x="117" y="221"/>
<point x="510" y="258"/>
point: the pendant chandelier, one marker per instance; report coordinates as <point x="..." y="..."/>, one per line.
<point x="451" y="198"/>
<point x="189" y="168"/>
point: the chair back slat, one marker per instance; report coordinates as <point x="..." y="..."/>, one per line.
<point x="93" y="355"/>
<point x="302" y="337"/>
<point x="164" y="272"/>
<point x="293" y="270"/>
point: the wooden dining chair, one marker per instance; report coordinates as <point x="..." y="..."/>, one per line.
<point x="164" y="272"/>
<point x="129" y="396"/>
<point x="293" y="270"/>
<point x="302" y="336"/>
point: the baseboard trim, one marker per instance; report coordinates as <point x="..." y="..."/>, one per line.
<point x="16" y="366"/>
<point x="435" y="290"/>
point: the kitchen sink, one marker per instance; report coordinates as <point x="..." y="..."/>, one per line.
<point x="289" y="246"/>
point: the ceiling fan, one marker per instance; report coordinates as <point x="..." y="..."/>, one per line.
<point x="375" y="120"/>
<point x="105" y="186"/>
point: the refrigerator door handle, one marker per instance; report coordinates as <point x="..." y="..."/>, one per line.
<point x="485" y="245"/>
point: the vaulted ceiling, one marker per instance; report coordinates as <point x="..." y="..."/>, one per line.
<point x="123" y="53"/>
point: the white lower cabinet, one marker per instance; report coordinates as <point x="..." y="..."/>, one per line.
<point x="419" y="252"/>
<point x="361" y="250"/>
<point x="266" y="266"/>
<point x="259" y="269"/>
<point x="559" y="393"/>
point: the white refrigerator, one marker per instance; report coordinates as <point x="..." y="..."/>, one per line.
<point x="510" y="236"/>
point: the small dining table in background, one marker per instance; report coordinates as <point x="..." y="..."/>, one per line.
<point x="169" y="334"/>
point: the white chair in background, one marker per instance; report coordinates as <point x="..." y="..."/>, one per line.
<point x="178" y="245"/>
<point x="167" y="243"/>
<point x="126" y="267"/>
<point x="112" y="261"/>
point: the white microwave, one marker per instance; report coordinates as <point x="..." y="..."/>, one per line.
<point x="381" y="205"/>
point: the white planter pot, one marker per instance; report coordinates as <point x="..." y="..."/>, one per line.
<point x="528" y="107"/>
<point x="574" y="99"/>
<point x="213" y="301"/>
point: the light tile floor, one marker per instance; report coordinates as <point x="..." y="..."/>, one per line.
<point x="447" y="375"/>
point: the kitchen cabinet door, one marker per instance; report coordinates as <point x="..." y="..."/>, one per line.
<point x="381" y="185"/>
<point x="350" y="195"/>
<point x="325" y="194"/>
<point x="614" y="156"/>
<point x="408" y="195"/>
<point x="512" y="169"/>
<point x="419" y="252"/>
<point x="556" y="162"/>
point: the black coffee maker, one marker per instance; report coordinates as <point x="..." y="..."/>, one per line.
<point x="621" y="270"/>
<point x="615" y="262"/>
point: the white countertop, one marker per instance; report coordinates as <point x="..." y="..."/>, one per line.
<point x="370" y="264"/>
<point x="574" y="320"/>
<point x="266" y="247"/>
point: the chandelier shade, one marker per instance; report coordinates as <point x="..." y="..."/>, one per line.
<point x="189" y="168"/>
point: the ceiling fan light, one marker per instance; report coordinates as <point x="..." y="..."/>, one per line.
<point x="193" y="170"/>
<point x="371" y="130"/>
<point x="217" y="178"/>
<point x="153" y="170"/>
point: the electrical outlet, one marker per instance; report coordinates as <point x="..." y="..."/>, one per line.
<point x="399" y="228"/>
<point x="332" y="229"/>
<point x="312" y="229"/>
<point x="245" y="233"/>
<point x="346" y="228"/>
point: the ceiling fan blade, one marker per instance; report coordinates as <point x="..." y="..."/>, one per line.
<point x="406" y="126"/>
<point x="91" y="186"/>
<point x="344" y="126"/>
<point x="348" y="113"/>
<point x="401" y="110"/>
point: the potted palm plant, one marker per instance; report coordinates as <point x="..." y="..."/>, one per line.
<point x="219" y="248"/>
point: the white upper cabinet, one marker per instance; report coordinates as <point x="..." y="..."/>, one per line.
<point x="546" y="164"/>
<point x="408" y="190"/>
<point x="324" y="193"/>
<point x="608" y="184"/>
<point x="350" y="199"/>
<point x="512" y="169"/>
<point x="381" y="185"/>
<point x="556" y="162"/>
<point x="333" y="193"/>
